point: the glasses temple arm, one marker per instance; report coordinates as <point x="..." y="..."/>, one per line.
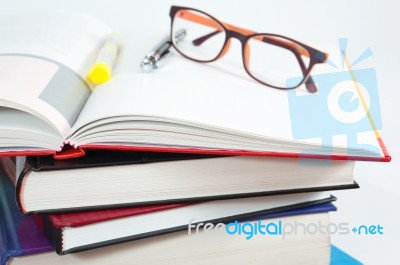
<point x="309" y="82"/>
<point x="199" y="41"/>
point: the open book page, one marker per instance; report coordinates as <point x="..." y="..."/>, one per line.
<point x="223" y="104"/>
<point x="71" y="39"/>
<point x="44" y="59"/>
<point x="23" y="131"/>
<point x="44" y="89"/>
<point x="211" y="99"/>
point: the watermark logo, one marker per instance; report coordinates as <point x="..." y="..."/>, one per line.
<point x="368" y="230"/>
<point x="347" y="103"/>
<point x="282" y="229"/>
<point x="251" y="229"/>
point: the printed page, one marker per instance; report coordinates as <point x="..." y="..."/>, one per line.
<point x="44" y="60"/>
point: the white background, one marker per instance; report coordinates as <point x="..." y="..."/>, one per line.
<point x="374" y="24"/>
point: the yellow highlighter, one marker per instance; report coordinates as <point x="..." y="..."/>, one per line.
<point x="102" y="69"/>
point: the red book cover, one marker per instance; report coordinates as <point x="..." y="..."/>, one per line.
<point x="90" y="217"/>
<point x="70" y="152"/>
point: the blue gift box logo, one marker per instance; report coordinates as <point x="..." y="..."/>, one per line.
<point x="347" y="103"/>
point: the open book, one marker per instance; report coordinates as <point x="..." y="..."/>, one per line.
<point x="46" y="106"/>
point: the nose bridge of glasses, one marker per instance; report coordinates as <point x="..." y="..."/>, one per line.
<point x="239" y="30"/>
<point x="236" y="34"/>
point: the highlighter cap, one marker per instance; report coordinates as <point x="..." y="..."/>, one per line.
<point x="100" y="73"/>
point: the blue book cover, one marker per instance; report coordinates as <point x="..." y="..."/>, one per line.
<point x="317" y="208"/>
<point x="19" y="234"/>
<point x="339" y="257"/>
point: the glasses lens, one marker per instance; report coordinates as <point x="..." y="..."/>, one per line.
<point x="197" y="35"/>
<point x="273" y="60"/>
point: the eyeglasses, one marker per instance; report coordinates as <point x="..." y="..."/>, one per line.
<point x="268" y="58"/>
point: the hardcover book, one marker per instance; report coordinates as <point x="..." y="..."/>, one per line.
<point x="78" y="232"/>
<point x="211" y="247"/>
<point x="115" y="179"/>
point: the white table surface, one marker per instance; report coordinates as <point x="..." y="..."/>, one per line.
<point x="374" y="24"/>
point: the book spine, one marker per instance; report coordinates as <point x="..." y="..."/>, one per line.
<point x="53" y="234"/>
<point x="69" y="152"/>
<point x="18" y="189"/>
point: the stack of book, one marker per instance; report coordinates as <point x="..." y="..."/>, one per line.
<point x="165" y="170"/>
<point x="229" y="230"/>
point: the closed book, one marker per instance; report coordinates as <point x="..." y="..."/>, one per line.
<point x="77" y="232"/>
<point x="211" y="247"/>
<point x="105" y="180"/>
